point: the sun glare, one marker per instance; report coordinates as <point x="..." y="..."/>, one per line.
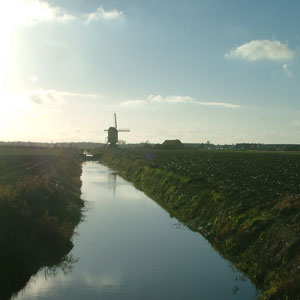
<point x="13" y="104"/>
<point x="12" y="14"/>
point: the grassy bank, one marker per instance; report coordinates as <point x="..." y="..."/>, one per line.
<point x="246" y="203"/>
<point x="39" y="207"/>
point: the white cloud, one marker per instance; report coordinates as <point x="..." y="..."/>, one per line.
<point x="261" y="49"/>
<point x="287" y="71"/>
<point x="133" y="103"/>
<point x="102" y="14"/>
<point x="221" y="104"/>
<point x="53" y="97"/>
<point x="31" y="12"/>
<point x="174" y="100"/>
<point x="296" y="122"/>
<point x="45" y="97"/>
<point x="79" y="95"/>
<point x="170" y="99"/>
<point x="186" y="99"/>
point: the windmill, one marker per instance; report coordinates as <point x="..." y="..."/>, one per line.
<point x="113" y="132"/>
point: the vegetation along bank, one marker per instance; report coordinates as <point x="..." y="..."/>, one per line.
<point x="247" y="204"/>
<point x="39" y="207"/>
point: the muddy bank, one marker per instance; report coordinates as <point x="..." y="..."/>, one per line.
<point x="260" y="235"/>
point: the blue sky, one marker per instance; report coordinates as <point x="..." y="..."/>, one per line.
<point x="219" y="71"/>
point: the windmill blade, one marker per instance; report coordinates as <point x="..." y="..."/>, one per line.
<point x="124" y="130"/>
<point x="116" y="121"/>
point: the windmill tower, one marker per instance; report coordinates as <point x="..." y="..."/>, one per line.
<point x="113" y="133"/>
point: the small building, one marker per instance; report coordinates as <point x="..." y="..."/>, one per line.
<point x="172" y="144"/>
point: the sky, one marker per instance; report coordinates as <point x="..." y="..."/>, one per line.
<point x="195" y="70"/>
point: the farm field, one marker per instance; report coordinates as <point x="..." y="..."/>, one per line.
<point x="39" y="207"/>
<point x="269" y="175"/>
<point x="246" y="203"/>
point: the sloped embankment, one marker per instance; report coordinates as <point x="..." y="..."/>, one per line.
<point x="40" y="206"/>
<point x="258" y="233"/>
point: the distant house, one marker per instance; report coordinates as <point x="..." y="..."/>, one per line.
<point x="172" y="144"/>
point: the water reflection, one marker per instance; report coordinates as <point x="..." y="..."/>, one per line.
<point x="66" y="266"/>
<point x="112" y="181"/>
<point x="179" y="226"/>
<point x="130" y="248"/>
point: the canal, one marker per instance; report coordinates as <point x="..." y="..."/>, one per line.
<point x="128" y="247"/>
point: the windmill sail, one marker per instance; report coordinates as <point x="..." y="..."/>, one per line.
<point x="124" y="130"/>
<point x="116" y="121"/>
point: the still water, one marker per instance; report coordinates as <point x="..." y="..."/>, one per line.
<point x="128" y="247"/>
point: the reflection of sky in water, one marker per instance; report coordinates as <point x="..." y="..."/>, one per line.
<point x="129" y="248"/>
